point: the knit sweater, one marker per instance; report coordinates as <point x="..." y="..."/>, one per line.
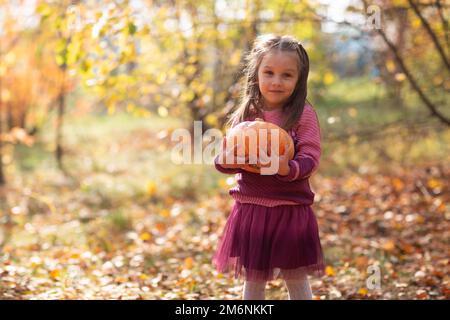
<point x="294" y="188"/>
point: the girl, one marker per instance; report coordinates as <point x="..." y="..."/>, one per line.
<point x="272" y="231"/>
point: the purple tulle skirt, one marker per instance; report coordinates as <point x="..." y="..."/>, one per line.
<point x="265" y="243"/>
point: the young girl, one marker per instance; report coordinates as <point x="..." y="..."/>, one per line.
<point x="272" y="231"/>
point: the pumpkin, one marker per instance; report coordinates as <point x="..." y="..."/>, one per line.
<point x="251" y="130"/>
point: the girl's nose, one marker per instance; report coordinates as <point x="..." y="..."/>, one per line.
<point x="276" y="81"/>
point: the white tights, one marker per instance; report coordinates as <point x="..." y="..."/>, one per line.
<point x="298" y="289"/>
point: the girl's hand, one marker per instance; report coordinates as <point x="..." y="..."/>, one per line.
<point x="284" y="169"/>
<point x="228" y="154"/>
<point x="283" y="162"/>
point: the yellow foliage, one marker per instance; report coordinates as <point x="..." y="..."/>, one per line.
<point x="235" y="58"/>
<point x="212" y="120"/>
<point x="362" y="291"/>
<point x="223" y="183"/>
<point x="328" y="78"/>
<point x="189" y="70"/>
<point x="435" y="183"/>
<point x="143" y="276"/>
<point x="151" y="188"/>
<point x="55" y="274"/>
<point x="131" y="107"/>
<point x="164" y="213"/>
<point x="111" y="109"/>
<point x="400" y="76"/>
<point x="74" y="256"/>
<point x="145" y="236"/>
<point x="161" y="78"/>
<point x="390" y="66"/>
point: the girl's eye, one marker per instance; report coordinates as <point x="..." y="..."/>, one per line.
<point x="287" y="75"/>
<point x="268" y="72"/>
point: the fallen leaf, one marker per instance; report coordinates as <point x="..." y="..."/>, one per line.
<point x="362" y="291"/>
<point x="151" y="188"/>
<point x="329" y="271"/>
<point x="188" y="263"/>
<point x="145" y="236"/>
<point x="55" y="274"/>
<point x="389" y="245"/>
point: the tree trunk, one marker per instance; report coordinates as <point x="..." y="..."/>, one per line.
<point x="59" y="122"/>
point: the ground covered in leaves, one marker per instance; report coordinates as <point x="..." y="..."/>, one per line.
<point x="115" y="232"/>
<point x="161" y="249"/>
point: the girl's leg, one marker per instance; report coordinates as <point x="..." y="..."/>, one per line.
<point x="299" y="289"/>
<point x="254" y="290"/>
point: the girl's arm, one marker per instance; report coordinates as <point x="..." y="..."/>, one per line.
<point x="225" y="170"/>
<point x="307" y="148"/>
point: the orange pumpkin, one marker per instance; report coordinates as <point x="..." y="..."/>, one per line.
<point x="245" y="136"/>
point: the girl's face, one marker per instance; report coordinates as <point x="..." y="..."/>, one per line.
<point x="277" y="78"/>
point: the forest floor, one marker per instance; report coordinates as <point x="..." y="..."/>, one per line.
<point x="122" y="230"/>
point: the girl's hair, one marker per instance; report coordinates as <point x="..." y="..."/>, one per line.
<point x="251" y="100"/>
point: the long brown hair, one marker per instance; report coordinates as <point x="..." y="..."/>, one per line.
<point x="251" y="100"/>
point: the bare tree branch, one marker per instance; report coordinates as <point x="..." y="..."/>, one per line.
<point x="411" y="79"/>
<point x="431" y="34"/>
<point x="444" y="24"/>
<point x="409" y="76"/>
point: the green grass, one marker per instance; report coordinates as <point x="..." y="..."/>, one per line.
<point x="374" y="109"/>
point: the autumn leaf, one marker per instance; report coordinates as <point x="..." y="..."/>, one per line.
<point x="143" y="276"/>
<point x="55" y="274"/>
<point x="434" y="183"/>
<point x="74" y="256"/>
<point x="362" y="291"/>
<point x="120" y="279"/>
<point x="361" y="261"/>
<point x="329" y="271"/>
<point x="151" y="188"/>
<point x="389" y="245"/>
<point x="161" y="227"/>
<point x="223" y="183"/>
<point x="164" y="213"/>
<point x="145" y="236"/>
<point x="407" y="248"/>
<point x="328" y="78"/>
<point x="421" y="294"/>
<point x="188" y="263"/>
<point x="398" y="184"/>
<point x="390" y="66"/>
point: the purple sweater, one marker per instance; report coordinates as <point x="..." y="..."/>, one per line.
<point x="293" y="189"/>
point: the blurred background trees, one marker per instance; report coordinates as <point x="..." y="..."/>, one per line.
<point x="184" y="58"/>
<point x="92" y="90"/>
